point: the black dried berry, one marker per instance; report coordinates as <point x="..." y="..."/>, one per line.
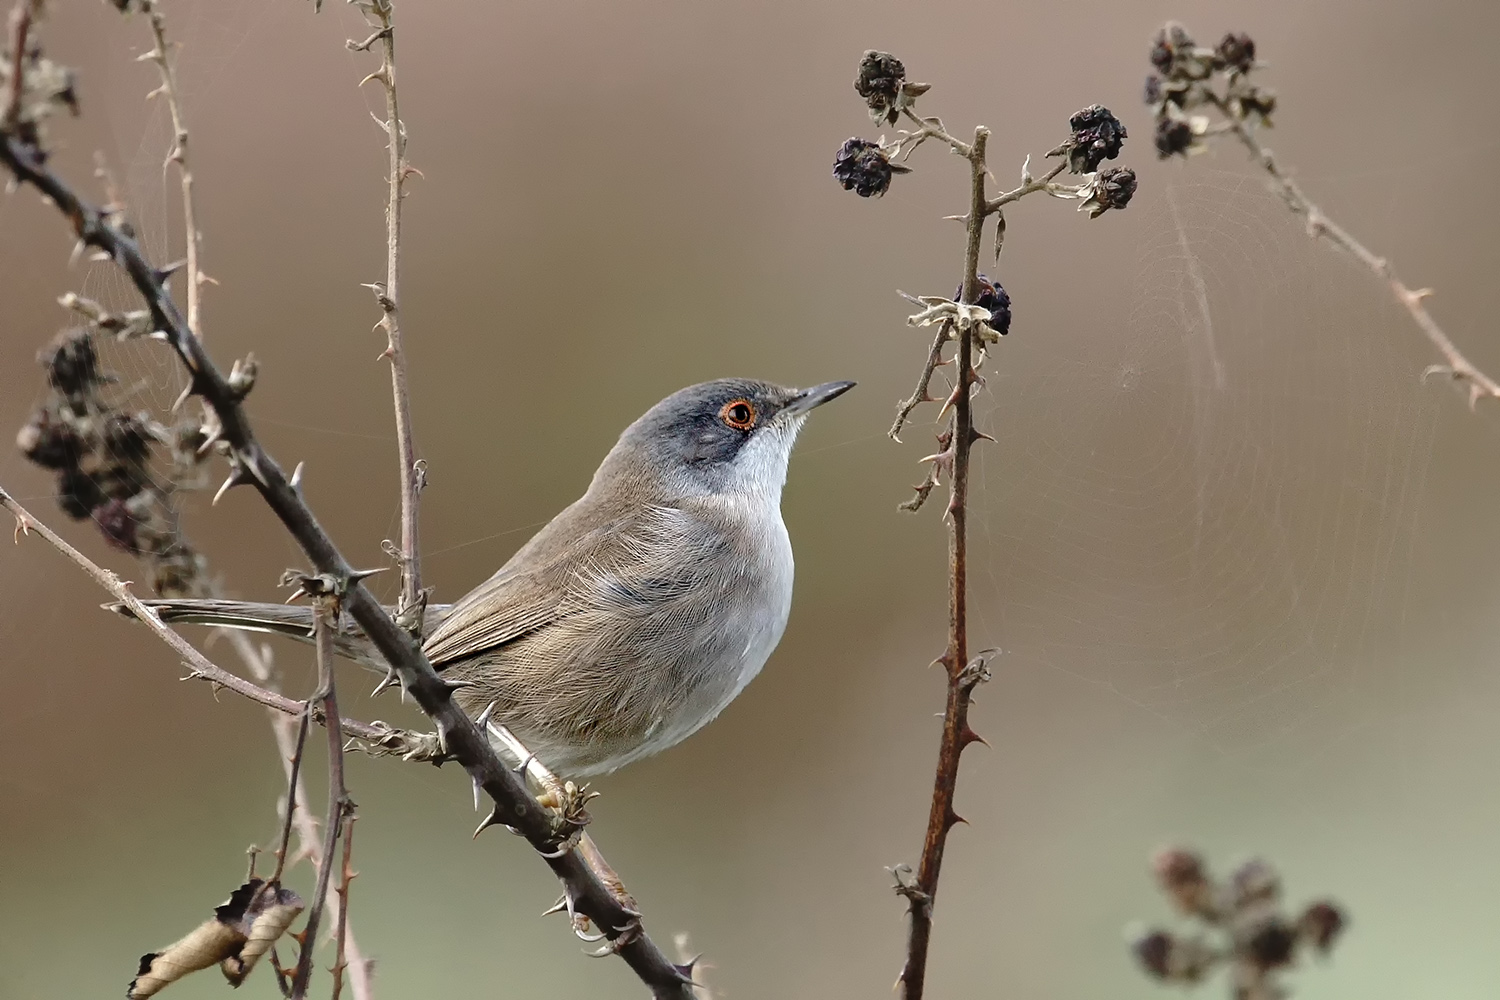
<point x="863" y="167"/>
<point x="1153" y="93"/>
<point x="71" y="362"/>
<point x="1113" y="189"/>
<point x="78" y="494"/>
<point x="1097" y="136"/>
<point x="1321" y="924"/>
<point x="1173" y="137"/>
<point x="127" y="438"/>
<point x="879" y="82"/>
<point x="1270" y="943"/>
<point x="117" y="523"/>
<point x="1236" y="51"/>
<point x="49" y="442"/>
<point x="1154" y="952"/>
<point x="996" y="299"/>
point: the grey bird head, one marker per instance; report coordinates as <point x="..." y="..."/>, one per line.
<point x="730" y="436"/>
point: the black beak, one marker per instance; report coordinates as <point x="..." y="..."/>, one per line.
<point x="817" y="396"/>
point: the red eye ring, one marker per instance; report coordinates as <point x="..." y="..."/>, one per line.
<point x="739" y="414"/>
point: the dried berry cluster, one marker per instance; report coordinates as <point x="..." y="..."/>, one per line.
<point x="1189" y="77"/>
<point x="1097" y="135"/>
<point x="102" y="458"/>
<point x="882" y="82"/>
<point x="1243" y="927"/>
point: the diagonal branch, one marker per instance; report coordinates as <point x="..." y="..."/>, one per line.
<point x="252" y="465"/>
<point x="1455" y="365"/>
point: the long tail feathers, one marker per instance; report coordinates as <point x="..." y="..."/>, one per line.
<point x="293" y="621"/>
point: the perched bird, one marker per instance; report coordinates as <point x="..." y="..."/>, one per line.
<point x="639" y="612"/>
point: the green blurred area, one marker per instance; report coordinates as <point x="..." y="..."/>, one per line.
<point x="1239" y="558"/>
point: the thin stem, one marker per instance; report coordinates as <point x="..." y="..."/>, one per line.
<point x="179" y="155"/>
<point x="253" y="465"/>
<point x="1455" y="365"/>
<point x="340" y="806"/>
<point x="341" y="933"/>
<point x="294" y="796"/>
<point x="20" y="27"/>
<point x="389" y="297"/>
<point x="956" y="732"/>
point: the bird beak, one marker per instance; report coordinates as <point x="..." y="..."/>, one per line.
<point x="817" y="396"/>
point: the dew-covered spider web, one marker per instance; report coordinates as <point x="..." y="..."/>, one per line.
<point x="1209" y="508"/>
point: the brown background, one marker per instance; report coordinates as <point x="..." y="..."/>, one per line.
<point x="1240" y="559"/>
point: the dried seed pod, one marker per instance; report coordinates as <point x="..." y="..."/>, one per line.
<point x="1174" y="137"/>
<point x="1112" y="189"/>
<point x="71" y="361"/>
<point x="994" y="297"/>
<point x="1236" y="52"/>
<point x="1321" y="924"/>
<point x="49" y="441"/>
<point x="1097" y="136"/>
<point x="864" y="168"/>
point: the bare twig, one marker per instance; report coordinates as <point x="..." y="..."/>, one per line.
<point x="340" y="806"/>
<point x="921" y="892"/>
<point x="1455" y="365"/>
<point x="294" y="798"/>
<point x="160" y="55"/>
<point x="252" y="465"/>
<point x="345" y="952"/>
<point x="413" y="472"/>
<point x="20" y="27"/>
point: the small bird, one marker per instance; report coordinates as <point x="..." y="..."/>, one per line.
<point x="638" y="613"/>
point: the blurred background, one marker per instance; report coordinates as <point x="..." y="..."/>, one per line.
<point x="1240" y="559"/>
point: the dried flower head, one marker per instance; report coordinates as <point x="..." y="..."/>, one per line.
<point x="1236" y="52"/>
<point x="1111" y="188"/>
<point x="1267" y="943"/>
<point x="882" y="82"/>
<point x="994" y="297"/>
<point x="1321" y="924"/>
<point x="72" y="363"/>
<point x="864" y="168"/>
<point x="1241" y="926"/>
<point x="49" y="441"/>
<point x="1174" y="137"/>
<point x="1097" y="136"/>
<point x="1177" y="57"/>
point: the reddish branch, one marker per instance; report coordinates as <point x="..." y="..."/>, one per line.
<point x="962" y="675"/>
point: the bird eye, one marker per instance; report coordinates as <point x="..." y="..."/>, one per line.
<point x="739" y="414"/>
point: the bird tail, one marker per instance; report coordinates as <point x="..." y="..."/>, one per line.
<point x="293" y="621"/>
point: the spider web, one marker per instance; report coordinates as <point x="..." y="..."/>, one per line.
<point x="1209" y="511"/>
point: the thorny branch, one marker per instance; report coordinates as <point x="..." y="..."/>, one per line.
<point x="976" y="317"/>
<point x="252" y="465"/>
<point x="1188" y="74"/>
<point x="1455" y="365"/>
<point x="387" y="294"/>
<point x="956" y="732"/>
<point x="160" y="55"/>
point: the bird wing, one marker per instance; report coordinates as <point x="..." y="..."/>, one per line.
<point x="567" y="570"/>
